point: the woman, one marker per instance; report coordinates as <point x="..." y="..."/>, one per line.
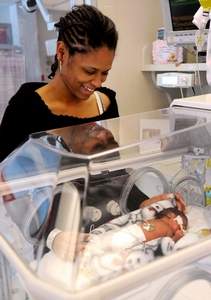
<point x="86" y="46"/>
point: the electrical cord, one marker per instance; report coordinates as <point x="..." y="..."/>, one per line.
<point x="200" y="40"/>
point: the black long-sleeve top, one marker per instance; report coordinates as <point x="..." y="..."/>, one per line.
<point x="27" y="113"/>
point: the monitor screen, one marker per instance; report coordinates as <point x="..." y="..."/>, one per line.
<point x="178" y="14"/>
<point x="182" y="12"/>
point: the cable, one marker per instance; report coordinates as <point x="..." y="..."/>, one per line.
<point x="194" y="92"/>
<point x="198" y="72"/>
<point x="200" y="40"/>
<point x="181" y="91"/>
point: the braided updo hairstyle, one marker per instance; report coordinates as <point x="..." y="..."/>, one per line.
<point x="85" y="28"/>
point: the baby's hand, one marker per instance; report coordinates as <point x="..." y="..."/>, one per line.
<point x="157" y="198"/>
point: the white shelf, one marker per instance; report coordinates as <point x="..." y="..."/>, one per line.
<point x="172" y="67"/>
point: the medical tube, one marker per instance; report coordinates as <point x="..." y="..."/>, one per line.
<point x="134" y="177"/>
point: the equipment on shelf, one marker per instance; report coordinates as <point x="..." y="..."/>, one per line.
<point x="175" y="80"/>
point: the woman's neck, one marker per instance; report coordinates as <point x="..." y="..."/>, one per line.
<point x="60" y="101"/>
<point x="57" y="89"/>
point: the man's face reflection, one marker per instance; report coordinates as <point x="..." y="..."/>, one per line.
<point x="87" y="138"/>
<point x="91" y="139"/>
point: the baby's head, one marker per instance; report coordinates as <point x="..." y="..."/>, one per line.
<point x="151" y="210"/>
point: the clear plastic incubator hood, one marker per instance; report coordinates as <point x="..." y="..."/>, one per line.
<point x="70" y="214"/>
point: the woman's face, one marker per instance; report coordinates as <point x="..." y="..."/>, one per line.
<point x="82" y="73"/>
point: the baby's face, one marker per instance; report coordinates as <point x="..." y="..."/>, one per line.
<point x="175" y="222"/>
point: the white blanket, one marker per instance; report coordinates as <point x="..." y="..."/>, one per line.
<point x="112" y="252"/>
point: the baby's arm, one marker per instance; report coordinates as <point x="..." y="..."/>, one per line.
<point x="179" y="201"/>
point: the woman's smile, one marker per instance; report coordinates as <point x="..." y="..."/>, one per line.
<point x="87" y="90"/>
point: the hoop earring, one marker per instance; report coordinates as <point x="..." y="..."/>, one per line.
<point x="60" y="65"/>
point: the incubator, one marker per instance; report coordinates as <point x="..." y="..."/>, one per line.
<point x="70" y="204"/>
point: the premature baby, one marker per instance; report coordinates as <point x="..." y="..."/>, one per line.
<point x="126" y="242"/>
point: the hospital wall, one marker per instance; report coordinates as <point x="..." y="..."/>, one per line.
<point x="137" y="22"/>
